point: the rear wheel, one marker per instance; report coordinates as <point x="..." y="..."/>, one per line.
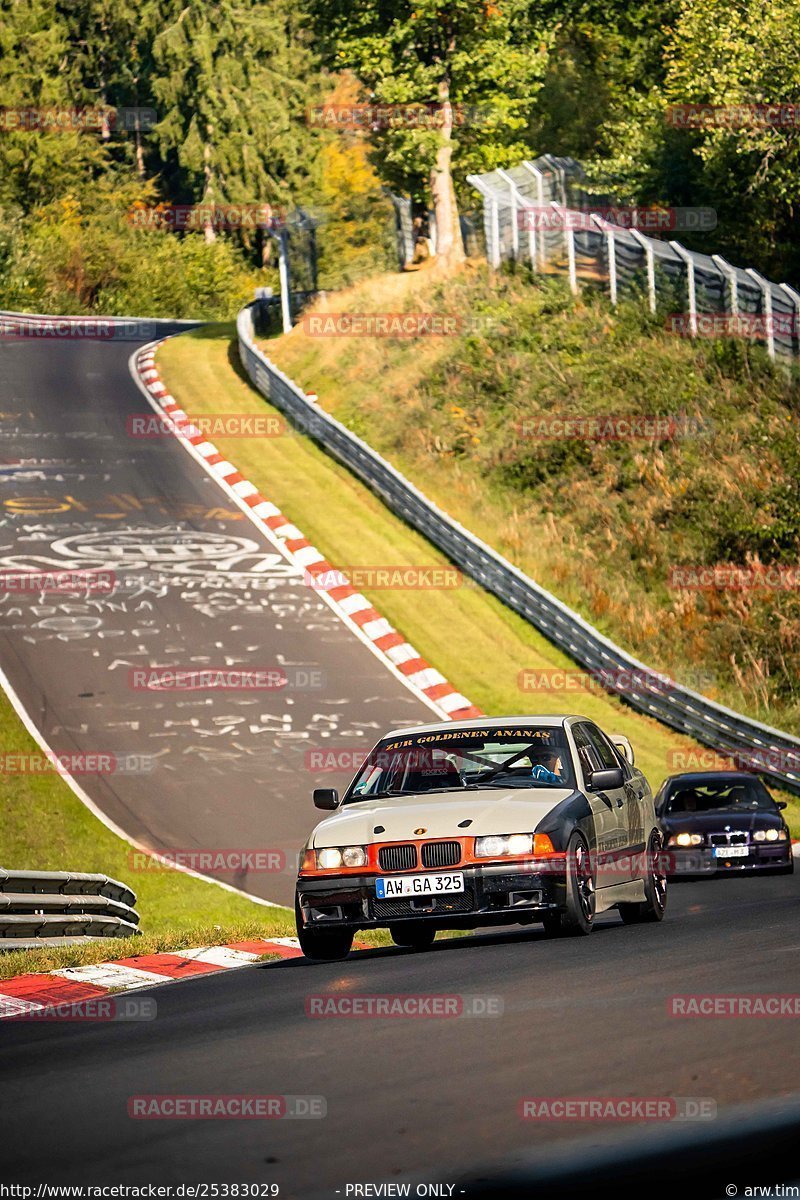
<point x="577" y="917"/>
<point x="324" y="945"/>
<point x="655" y="888"/>
<point x="417" y="935"/>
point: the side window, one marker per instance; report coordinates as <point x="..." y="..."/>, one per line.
<point x="606" y="751"/>
<point x="589" y="758"/>
<point x="619" y="757"/>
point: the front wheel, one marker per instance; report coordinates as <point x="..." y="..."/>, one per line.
<point x="416" y="935"/>
<point x="324" y="945"/>
<point x="655" y="888"/>
<point x="577" y="917"/>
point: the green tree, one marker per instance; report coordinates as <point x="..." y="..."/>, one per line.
<point x="38" y="74"/>
<point x="478" y="63"/>
<point x="724" y="54"/>
<point x="744" y="53"/>
<point x="232" y="82"/>
<point x="110" y="50"/>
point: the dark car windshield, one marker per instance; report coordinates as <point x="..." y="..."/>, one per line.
<point x="517" y="757"/>
<point x="747" y="795"/>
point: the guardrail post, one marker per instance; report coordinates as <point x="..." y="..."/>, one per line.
<point x="650" y="260"/>
<point x="766" y="296"/>
<point x="684" y="254"/>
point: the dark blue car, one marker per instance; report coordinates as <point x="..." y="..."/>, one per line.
<point x="722" y="821"/>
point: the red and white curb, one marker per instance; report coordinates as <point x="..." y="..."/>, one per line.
<point x="37" y="994"/>
<point x="357" y="612"/>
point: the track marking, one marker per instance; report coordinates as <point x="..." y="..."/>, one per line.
<point x="372" y="630"/>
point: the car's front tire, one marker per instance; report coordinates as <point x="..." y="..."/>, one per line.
<point x="323" y="945"/>
<point x="655" y="888"/>
<point x="577" y="916"/>
<point x="415" y="935"/>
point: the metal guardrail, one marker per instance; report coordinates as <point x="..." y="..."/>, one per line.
<point x="40" y="905"/>
<point x="767" y="750"/>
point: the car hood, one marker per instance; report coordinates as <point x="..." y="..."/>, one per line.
<point x="717" y="822"/>
<point x="440" y="814"/>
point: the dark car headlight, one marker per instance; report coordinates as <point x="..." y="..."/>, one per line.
<point x="770" y="835"/>
<point x="685" y="839"/>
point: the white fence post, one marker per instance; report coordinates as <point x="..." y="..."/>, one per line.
<point x="689" y="262"/>
<point x="650" y="260"/>
<point x="766" y="295"/>
<point x="795" y="299"/>
<point x="539" y="177"/>
<point x="729" y="273"/>
<point x="532" y="240"/>
<point x="611" y="253"/>
<point x="612" y="265"/>
<point x="283" y="274"/>
<point x="495" y="215"/>
<point x="516" y="199"/>
<point x="569" y="240"/>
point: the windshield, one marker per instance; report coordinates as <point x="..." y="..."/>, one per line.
<point x="519" y="757"/>
<point x="748" y="795"/>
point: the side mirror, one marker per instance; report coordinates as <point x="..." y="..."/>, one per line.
<point x="327" y="798"/>
<point x="602" y="781"/>
<point x="780" y="804"/>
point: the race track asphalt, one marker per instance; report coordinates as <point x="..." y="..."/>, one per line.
<point x="196" y="585"/>
<point x="425" y="1099"/>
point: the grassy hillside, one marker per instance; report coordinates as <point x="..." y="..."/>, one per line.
<point x="600" y="523"/>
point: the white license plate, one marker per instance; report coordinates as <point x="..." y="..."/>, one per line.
<point x="418" y="885"/>
<point x="731" y="851"/>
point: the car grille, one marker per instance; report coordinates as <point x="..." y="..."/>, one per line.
<point x="441" y="854"/>
<point x="728" y="839"/>
<point x="440" y="905"/>
<point x="397" y="858"/>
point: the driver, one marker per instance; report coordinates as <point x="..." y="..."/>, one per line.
<point x="550" y="768"/>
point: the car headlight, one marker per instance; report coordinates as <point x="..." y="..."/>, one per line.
<point x="498" y="845"/>
<point x="769" y="835"/>
<point x="686" y="839"/>
<point x="334" y="857"/>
